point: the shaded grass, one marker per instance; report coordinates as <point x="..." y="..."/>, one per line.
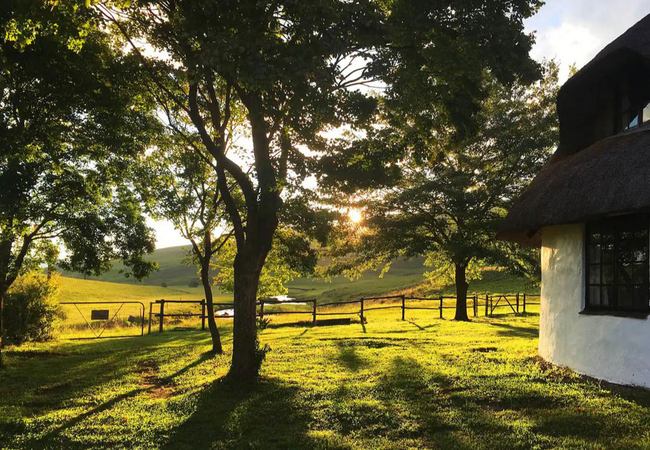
<point x="421" y="383"/>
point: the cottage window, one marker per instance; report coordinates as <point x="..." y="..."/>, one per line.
<point x="633" y="117"/>
<point x="633" y="106"/>
<point x="617" y="264"/>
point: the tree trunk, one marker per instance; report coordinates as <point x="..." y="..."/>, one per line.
<point x="5" y="256"/>
<point x="461" y="293"/>
<point x="212" y="323"/>
<point x="2" y="330"/>
<point x="245" y="364"/>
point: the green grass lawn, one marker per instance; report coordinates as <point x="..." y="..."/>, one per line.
<point x="421" y="383"/>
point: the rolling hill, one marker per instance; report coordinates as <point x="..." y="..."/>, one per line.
<point x="172" y="271"/>
<point x="406" y="275"/>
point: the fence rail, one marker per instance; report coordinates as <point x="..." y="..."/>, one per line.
<point x="475" y="303"/>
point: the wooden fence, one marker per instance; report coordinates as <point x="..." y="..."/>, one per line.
<point x="487" y="303"/>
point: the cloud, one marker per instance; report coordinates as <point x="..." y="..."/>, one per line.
<point x="574" y="31"/>
<point x="568" y="44"/>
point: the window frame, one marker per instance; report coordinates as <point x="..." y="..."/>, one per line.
<point x="620" y="244"/>
<point x="630" y="104"/>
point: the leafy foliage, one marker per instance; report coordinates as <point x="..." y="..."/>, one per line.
<point x="296" y="66"/>
<point x="292" y="256"/>
<point x="32" y="309"/>
<point x="72" y="120"/>
<point x="450" y="194"/>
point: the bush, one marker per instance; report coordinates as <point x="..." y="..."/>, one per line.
<point x="32" y="309"/>
<point x="194" y="283"/>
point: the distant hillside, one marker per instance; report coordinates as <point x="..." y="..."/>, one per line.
<point x="172" y="270"/>
<point x="404" y="275"/>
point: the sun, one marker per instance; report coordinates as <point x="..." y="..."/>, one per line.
<point x="355" y="216"/>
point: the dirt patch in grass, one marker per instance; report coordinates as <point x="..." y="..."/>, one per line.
<point x="156" y="387"/>
<point x="485" y="349"/>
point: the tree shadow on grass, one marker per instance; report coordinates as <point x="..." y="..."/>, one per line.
<point x="38" y="383"/>
<point x="444" y="418"/>
<point x="349" y="357"/>
<point x="508" y="330"/>
<point x="423" y="328"/>
<point x="267" y="414"/>
<point x="55" y="435"/>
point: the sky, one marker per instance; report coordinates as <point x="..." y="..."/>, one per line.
<point x="570" y="31"/>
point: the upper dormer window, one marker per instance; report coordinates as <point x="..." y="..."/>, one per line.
<point x="635" y="116"/>
<point x="633" y="107"/>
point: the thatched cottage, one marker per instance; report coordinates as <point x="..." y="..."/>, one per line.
<point x="589" y="210"/>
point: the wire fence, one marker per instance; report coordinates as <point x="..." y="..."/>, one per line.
<point x="488" y="305"/>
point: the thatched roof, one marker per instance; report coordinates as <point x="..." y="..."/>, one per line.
<point x="590" y="177"/>
<point x="586" y="94"/>
<point x="610" y="177"/>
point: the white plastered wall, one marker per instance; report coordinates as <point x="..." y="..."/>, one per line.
<point x="615" y="349"/>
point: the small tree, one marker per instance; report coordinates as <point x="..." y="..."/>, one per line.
<point x="448" y="194"/>
<point x="183" y="189"/>
<point x="72" y="120"/>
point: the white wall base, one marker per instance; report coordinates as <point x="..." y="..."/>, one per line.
<point x="615" y="349"/>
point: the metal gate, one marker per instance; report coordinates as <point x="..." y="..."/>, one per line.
<point x="106" y="316"/>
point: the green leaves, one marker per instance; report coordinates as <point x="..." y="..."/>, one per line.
<point x="449" y="195"/>
<point x="73" y="120"/>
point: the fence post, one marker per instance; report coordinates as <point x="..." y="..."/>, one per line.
<point x="262" y="309"/>
<point x="487" y="301"/>
<point x="524" y="303"/>
<point x="361" y="312"/>
<point x="517" y="302"/>
<point x="314" y="312"/>
<point x="162" y="315"/>
<point x="203" y="314"/>
<point x="475" y="305"/>
<point x="441" y="306"/>
<point x="403" y="308"/>
<point x="491" y="305"/>
<point x="150" y="307"/>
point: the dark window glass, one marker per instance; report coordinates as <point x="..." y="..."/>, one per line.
<point x="617" y="264"/>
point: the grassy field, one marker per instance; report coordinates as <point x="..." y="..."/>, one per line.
<point x="404" y="276"/>
<point x="76" y="290"/>
<point x="172" y="271"/>
<point x="175" y="274"/>
<point x="421" y="383"/>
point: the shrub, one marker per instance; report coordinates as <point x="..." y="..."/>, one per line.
<point x="194" y="283"/>
<point x="164" y="284"/>
<point x="263" y="323"/>
<point x="32" y="309"/>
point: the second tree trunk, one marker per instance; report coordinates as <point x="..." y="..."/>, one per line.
<point x="461" y="292"/>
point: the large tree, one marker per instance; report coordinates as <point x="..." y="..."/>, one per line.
<point x="446" y="196"/>
<point x="71" y="121"/>
<point x="294" y="66"/>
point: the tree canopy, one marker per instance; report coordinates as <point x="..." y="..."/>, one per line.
<point x="296" y="67"/>
<point x="445" y="196"/>
<point x="72" y="120"/>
